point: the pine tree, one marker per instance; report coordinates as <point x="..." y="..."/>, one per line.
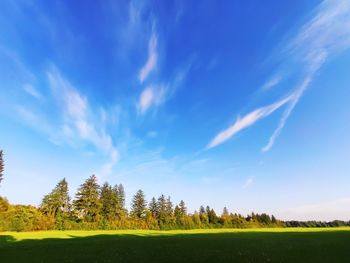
<point x="110" y="203"/>
<point x="57" y="202"/>
<point x="138" y="206"/>
<point x="178" y="215"/>
<point x="162" y="208"/>
<point x="203" y="215"/>
<point x="183" y="208"/>
<point x="120" y="193"/>
<point x="2" y="165"/>
<point x="169" y="207"/>
<point x="87" y="203"/>
<point x="153" y="208"/>
<point x="225" y="212"/>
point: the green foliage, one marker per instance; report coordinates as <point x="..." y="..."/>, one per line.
<point x="104" y="208"/>
<point x="87" y="205"/>
<point x="57" y="202"/>
<point x="24" y="218"/>
<point x="110" y="203"/>
<point x="138" y="206"/>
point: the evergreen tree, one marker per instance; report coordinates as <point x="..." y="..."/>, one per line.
<point x="2" y="165"/>
<point x="153" y="208"/>
<point x="57" y="202"/>
<point x="177" y="212"/>
<point x="138" y="206"/>
<point x="203" y="215"/>
<point x="169" y="207"/>
<point x="225" y="212"/>
<point x="87" y="203"/>
<point x="213" y="218"/>
<point x="273" y="219"/>
<point x="120" y="193"/>
<point x="162" y="208"/>
<point x="110" y="203"/>
<point x="183" y="208"/>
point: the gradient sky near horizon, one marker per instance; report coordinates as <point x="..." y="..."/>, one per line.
<point x="243" y="104"/>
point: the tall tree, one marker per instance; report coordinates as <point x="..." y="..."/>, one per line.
<point x="87" y="202"/>
<point x="120" y="193"/>
<point x="153" y="208"/>
<point x="183" y="208"/>
<point x="2" y="165"/>
<point x="57" y="202"/>
<point x="162" y="208"/>
<point x="169" y="207"/>
<point x="110" y="204"/>
<point x="139" y="204"/>
<point x="203" y="215"/>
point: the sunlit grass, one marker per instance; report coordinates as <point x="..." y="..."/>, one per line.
<point x="18" y="236"/>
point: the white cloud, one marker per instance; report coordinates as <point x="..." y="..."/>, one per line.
<point x="272" y="82"/>
<point x="151" y="62"/>
<point x="31" y="90"/>
<point x="79" y="119"/>
<point x="248" y="182"/>
<point x="246" y="121"/>
<point x="326" y="34"/>
<point x="151" y="96"/>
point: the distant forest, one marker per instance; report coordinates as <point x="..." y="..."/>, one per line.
<point x="103" y="207"/>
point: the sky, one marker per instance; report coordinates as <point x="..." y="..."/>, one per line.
<point x="243" y="104"/>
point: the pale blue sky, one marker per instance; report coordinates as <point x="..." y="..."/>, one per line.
<point x="241" y="104"/>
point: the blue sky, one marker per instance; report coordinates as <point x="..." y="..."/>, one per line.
<point x="243" y="104"/>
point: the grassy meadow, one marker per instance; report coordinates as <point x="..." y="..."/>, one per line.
<point x="216" y="245"/>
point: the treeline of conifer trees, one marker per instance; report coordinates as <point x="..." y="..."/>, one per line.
<point x="103" y="207"/>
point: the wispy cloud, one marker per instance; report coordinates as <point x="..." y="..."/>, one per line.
<point x="327" y="33"/>
<point x="155" y="95"/>
<point x="78" y="118"/>
<point x="151" y="62"/>
<point x="272" y="82"/>
<point x="246" y="121"/>
<point x="31" y="90"/>
<point x="248" y="182"/>
<point x="151" y="96"/>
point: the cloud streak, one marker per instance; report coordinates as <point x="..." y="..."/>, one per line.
<point x="151" y="62"/>
<point x="32" y="91"/>
<point x="79" y="120"/>
<point x="326" y="34"/>
<point x="272" y="82"/>
<point x="151" y="96"/>
<point x="246" y="121"/>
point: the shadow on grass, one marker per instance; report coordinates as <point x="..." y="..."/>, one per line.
<point x="218" y="247"/>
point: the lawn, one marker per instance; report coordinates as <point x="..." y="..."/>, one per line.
<point x="249" y="245"/>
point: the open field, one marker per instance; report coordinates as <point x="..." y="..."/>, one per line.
<point x="217" y="245"/>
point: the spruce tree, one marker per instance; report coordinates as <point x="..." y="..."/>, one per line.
<point x="183" y="208"/>
<point x="57" y="202"/>
<point x="110" y="203"/>
<point x="139" y="204"/>
<point x="162" y="208"/>
<point x="153" y="208"/>
<point x="120" y="193"/>
<point x="169" y="207"/>
<point x="2" y="165"/>
<point x="87" y="203"/>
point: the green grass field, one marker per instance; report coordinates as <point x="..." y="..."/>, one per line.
<point x="249" y="245"/>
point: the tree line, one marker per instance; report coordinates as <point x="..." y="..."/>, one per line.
<point x="103" y="207"/>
